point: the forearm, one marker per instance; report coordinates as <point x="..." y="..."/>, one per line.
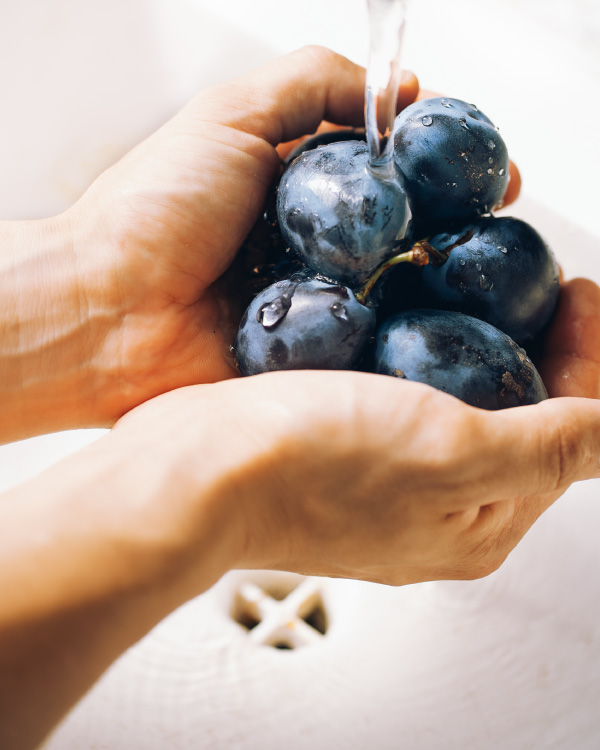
<point x="92" y="556"/>
<point x="51" y="330"/>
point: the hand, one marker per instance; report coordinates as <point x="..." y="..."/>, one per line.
<point x="120" y="298"/>
<point x="170" y="217"/>
<point x="364" y="476"/>
<point x="369" y="477"/>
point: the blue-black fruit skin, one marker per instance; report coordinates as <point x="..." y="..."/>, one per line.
<point x="499" y="270"/>
<point x="341" y="219"/>
<point x="453" y="159"/>
<point x="460" y="355"/>
<point x="309" y="335"/>
<point x="324" y="139"/>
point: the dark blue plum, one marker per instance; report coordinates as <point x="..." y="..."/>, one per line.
<point x="303" y="324"/>
<point x="499" y="270"/>
<point x="324" y="139"/>
<point x="341" y="218"/>
<point x="460" y="355"/>
<point x="454" y="162"/>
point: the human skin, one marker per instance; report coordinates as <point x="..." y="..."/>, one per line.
<point x="339" y="474"/>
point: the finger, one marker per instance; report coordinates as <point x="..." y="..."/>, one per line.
<point x="534" y="450"/>
<point x="571" y="362"/>
<point x="325" y="127"/>
<point x="514" y="185"/>
<point x="290" y="96"/>
<point x="427" y="94"/>
<point x="407" y="92"/>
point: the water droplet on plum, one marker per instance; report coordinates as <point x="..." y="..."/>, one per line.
<point x="339" y="311"/>
<point x="427" y="120"/>
<point x="272" y="313"/>
<point x="486" y="283"/>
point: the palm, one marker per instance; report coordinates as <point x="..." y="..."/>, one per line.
<point x="176" y="229"/>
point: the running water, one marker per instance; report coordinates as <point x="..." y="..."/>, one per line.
<point x="386" y="29"/>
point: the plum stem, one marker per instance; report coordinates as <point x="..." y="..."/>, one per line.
<point x="436" y="257"/>
<point x="416" y="256"/>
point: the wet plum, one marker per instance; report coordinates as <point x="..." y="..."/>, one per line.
<point x="499" y="270"/>
<point x="460" y="355"/>
<point x="453" y="159"/>
<point x="300" y="324"/>
<point x="340" y="217"/>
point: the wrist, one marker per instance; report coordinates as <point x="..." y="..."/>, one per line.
<point x="221" y="447"/>
<point x="121" y="524"/>
<point x="53" y="319"/>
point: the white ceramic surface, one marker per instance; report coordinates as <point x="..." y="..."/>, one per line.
<point x="512" y="661"/>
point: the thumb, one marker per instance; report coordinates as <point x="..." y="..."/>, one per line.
<point x="289" y="97"/>
<point x="542" y="448"/>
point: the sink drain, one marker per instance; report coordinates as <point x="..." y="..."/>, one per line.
<point x="280" y="612"/>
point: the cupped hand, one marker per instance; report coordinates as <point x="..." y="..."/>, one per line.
<point x="362" y="476"/>
<point x="168" y="219"/>
<point x="367" y="476"/>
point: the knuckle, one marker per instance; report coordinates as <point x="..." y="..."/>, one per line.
<point x="487" y="553"/>
<point x="564" y="458"/>
<point x="454" y="465"/>
<point x="484" y="567"/>
<point x="320" y="54"/>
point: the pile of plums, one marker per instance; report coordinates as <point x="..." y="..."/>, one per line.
<point x="402" y="269"/>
